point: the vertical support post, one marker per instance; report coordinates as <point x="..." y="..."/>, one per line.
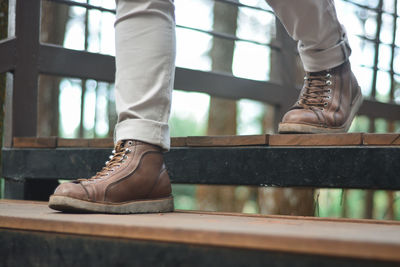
<point x="24" y="98"/>
<point x="287" y="70"/>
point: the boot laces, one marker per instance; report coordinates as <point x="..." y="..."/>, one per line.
<point x="316" y="91"/>
<point x="119" y="154"/>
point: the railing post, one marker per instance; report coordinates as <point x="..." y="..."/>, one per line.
<point x="21" y="108"/>
<point x="25" y="86"/>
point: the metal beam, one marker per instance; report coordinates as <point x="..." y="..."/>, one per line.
<point x="7" y="54"/>
<point x="320" y="167"/>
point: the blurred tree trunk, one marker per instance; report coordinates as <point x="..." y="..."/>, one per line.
<point x="222" y="112"/>
<point x="53" y="24"/>
<point x="369" y="204"/>
<point x="286" y="201"/>
<point x="344" y="204"/>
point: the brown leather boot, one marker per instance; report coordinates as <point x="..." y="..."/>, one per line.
<point x="327" y="103"/>
<point x="134" y="180"/>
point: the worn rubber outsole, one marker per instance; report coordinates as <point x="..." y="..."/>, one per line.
<point x="289" y="127"/>
<point x="69" y="204"/>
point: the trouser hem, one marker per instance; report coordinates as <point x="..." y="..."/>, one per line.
<point x="318" y="60"/>
<point x="148" y="131"/>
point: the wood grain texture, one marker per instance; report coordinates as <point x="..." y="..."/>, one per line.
<point x="101" y="142"/>
<point x="346" y="239"/>
<point x="67" y="142"/>
<point x="345" y="139"/>
<point x="178" y="141"/>
<point x="35" y="142"/>
<point x="390" y="139"/>
<point x="227" y="140"/>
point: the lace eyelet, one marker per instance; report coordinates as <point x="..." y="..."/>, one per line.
<point x="130" y="143"/>
<point x="328" y="75"/>
<point x="328" y="82"/>
<point x="127" y="150"/>
<point x="329" y="90"/>
<point x="322" y="109"/>
<point x="325" y="104"/>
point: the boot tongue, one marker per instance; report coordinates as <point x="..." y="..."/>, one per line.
<point x="319" y="73"/>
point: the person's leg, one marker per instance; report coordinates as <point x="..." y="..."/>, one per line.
<point x="330" y="96"/>
<point x="145" y="62"/>
<point x="135" y="179"/>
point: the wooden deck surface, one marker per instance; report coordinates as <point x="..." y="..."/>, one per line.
<point x="341" y="139"/>
<point x="334" y="237"/>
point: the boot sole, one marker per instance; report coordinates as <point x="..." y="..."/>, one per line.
<point x="69" y="204"/>
<point x="304" y="128"/>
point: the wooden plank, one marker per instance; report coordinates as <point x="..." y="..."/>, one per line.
<point x="344" y="239"/>
<point x="390" y="139"/>
<point x="101" y="142"/>
<point x="344" y="139"/>
<point x="67" y="142"/>
<point x="178" y="141"/>
<point x="34" y="142"/>
<point x="227" y="140"/>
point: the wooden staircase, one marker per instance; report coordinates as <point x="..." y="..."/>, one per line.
<point x="34" y="235"/>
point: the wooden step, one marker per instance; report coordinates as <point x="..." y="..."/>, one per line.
<point x="368" y="167"/>
<point x="343" y="139"/>
<point x="358" y="239"/>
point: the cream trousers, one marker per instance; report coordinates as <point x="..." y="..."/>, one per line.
<point x="145" y="57"/>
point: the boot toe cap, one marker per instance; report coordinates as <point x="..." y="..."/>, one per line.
<point x="71" y="189"/>
<point x="300" y="116"/>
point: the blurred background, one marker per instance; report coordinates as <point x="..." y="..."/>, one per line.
<point x="237" y="39"/>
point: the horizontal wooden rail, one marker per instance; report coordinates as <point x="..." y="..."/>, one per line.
<point x="319" y="237"/>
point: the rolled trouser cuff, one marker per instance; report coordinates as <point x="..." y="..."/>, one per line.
<point x="318" y="60"/>
<point x="148" y="131"/>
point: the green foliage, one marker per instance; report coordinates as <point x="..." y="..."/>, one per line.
<point x="355" y="203"/>
<point x="381" y="126"/>
<point x="329" y="203"/>
<point x="186" y="126"/>
<point x="360" y="124"/>
<point x="184" y="196"/>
